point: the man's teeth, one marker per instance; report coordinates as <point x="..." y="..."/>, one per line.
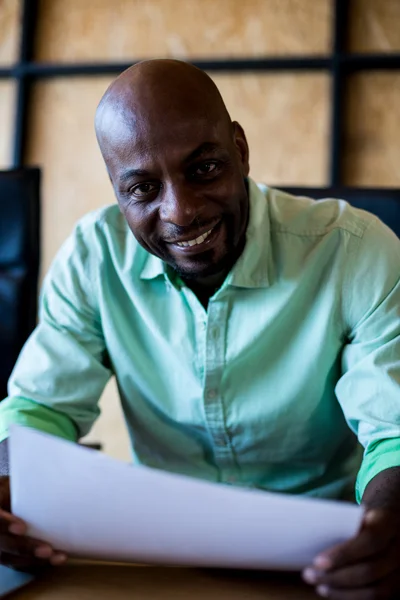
<point x="198" y="240"/>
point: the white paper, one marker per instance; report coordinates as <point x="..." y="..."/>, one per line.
<point x="93" y="506"/>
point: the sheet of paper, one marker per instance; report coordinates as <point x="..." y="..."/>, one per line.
<point x="93" y="506"/>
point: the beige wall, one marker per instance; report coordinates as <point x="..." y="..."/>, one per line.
<point x="9" y="32"/>
<point x="286" y="115"/>
<point x="7" y="104"/>
<point x="73" y="30"/>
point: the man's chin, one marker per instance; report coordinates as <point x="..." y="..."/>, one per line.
<point x="192" y="270"/>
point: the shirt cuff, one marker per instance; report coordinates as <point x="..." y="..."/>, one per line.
<point x="17" y="410"/>
<point x="379" y="456"/>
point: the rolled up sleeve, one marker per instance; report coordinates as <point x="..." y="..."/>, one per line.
<point x="61" y="372"/>
<point x="369" y="388"/>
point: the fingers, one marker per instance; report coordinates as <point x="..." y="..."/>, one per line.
<point x="22" y="552"/>
<point x="386" y="589"/>
<point x="354" y="576"/>
<point x="16" y="549"/>
<point x="366" y="567"/>
<point x="40" y="558"/>
<point x="374" y="537"/>
<point x="21" y="545"/>
<point x="8" y="521"/>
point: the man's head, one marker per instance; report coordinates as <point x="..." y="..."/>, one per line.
<point x="178" y="165"/>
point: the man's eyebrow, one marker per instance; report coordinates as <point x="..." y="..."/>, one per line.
<point x="206" y="148"/>
<point x="127" y="175"/>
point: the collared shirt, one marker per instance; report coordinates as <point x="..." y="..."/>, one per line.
<point x="297" y="354"/>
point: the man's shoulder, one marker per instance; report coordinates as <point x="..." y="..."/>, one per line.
<point x="106" y="218"/>
<point x="304" y="216"/>
<point x="103" y="238"/>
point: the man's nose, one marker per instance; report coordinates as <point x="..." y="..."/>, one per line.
<point x="180" y="206"/>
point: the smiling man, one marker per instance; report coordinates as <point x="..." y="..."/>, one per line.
<point x="253" y="335"/>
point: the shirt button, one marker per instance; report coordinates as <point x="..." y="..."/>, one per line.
<point x="214" y="332"/>
<point x="211" y="394"/>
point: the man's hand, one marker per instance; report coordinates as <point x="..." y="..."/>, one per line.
<point x="16" y="549"/>
<point x="365" y="568"/>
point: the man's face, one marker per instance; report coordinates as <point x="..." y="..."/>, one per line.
<point x="181" y="187"/>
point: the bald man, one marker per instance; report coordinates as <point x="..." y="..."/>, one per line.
<point x="253" y="335"/>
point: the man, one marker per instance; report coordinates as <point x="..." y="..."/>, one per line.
<point x="251" y="333"/>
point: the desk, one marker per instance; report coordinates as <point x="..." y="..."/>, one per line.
<point x="119" y="582"/>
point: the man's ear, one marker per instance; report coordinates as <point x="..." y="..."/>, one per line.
<point x="241" y="146"/>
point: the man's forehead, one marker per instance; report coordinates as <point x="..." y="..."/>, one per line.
<point x="182" y="133"/>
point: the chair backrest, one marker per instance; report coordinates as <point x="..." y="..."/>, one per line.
<point x="19" y="263"/>
<point x="384" y="203"/>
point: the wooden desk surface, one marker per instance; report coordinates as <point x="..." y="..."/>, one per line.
<point x="119" y="582"/>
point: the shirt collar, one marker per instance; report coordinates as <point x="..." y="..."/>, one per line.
<point x="251" y="269"/>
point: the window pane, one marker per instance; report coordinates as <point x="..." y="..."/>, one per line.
<point x="286" y="120"/>
<point x="6" y="122"/>
<point x="372" y="152"/>
<point x="9" y="31"/>
<point x="375" y="26"/>
<point x="72" y="30"/>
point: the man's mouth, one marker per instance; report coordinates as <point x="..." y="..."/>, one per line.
<point x="195" y="241"/>
<point x="196" y="244"/>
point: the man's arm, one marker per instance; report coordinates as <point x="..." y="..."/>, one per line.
<point x="367" y="567"/>
<point x="56" y="383"/>
<point x="383" y="491"/>
<point x="61" y="372"/>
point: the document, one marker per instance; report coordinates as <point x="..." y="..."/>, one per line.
<point x="92" y="506"/>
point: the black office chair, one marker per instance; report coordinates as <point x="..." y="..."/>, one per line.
<point x="384" y="203"/>
<point x="19" y="263"/>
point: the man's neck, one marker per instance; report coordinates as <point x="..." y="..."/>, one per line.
<point x="205" y="288"/>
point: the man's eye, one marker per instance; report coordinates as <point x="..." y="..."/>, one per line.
<point x="205" y="168"/>
<point x="143" y="189"/>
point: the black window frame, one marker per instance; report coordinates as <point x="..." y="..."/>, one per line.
<point x="338" y="63"/>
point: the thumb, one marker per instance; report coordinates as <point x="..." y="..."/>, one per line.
<point x="374" y="516"/>
<point x="381" y="522"/>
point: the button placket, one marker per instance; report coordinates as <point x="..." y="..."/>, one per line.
<point x="214" y="364"/>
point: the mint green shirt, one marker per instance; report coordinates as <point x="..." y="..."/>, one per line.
<point x="298" y="351"/>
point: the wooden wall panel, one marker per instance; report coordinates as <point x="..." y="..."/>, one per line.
<point x="375" y="26"/>
<point x="7" y="101"/>
<point x="372" y="155"/>
<point x="286" y="119"/>
<point x="72" y="30"/>
<point x="62" y="141"/>
<point x="9" y="30"/>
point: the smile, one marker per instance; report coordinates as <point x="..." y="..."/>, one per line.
<point x="195" y="241"/>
